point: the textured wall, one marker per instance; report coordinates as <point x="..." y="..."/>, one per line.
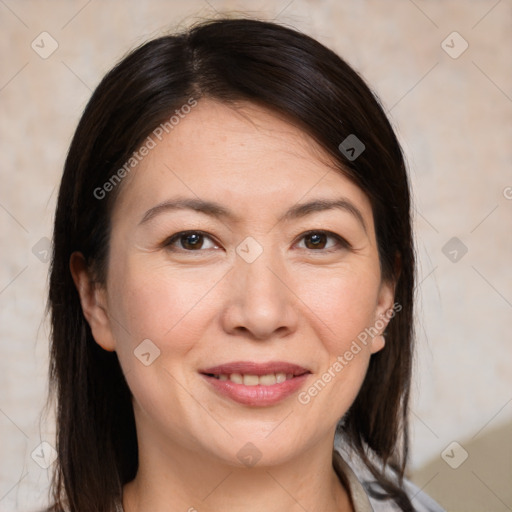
<point x="452" y="107"/>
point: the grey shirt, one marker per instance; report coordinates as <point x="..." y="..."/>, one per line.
<point x="359" y="479"/>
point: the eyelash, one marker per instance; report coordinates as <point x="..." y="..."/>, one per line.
<point x="342" y="243"/>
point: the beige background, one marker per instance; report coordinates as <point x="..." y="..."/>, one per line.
<point x="453" y="117"/>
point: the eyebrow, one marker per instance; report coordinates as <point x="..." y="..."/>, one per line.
<point x="218" y="211"/>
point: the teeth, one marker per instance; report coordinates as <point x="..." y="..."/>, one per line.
<point x="268" y="380"/>
<point x="280" y="377"/>
<point x="251" y="380"/>
<point x="236" y="378"/>
<point x="255" y="380"/>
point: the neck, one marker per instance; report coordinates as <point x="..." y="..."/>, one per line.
<point x="173" y="479"/>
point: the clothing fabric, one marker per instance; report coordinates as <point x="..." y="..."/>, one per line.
<point x="360" y="481"/>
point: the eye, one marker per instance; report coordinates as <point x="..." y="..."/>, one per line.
<point x="316" y="240"/>
<point x="195" y="241"/>
<point x="189" y="241"/>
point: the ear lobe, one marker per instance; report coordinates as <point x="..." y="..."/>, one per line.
<point x="378" y="343"/>
<point x="385" y="304"/>
<point x="93" y="301"/>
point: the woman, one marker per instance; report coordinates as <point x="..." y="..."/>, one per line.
<point x="232" y="284"/>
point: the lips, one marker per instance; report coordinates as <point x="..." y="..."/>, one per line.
<point x="256" y="384"/>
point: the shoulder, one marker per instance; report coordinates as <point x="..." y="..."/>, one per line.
<point x="381" y="503"/>
<point x="367" y="491"/>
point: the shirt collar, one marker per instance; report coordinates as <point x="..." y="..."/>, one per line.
<point x="348" y="478"/>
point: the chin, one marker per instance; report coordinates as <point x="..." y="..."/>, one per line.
<point x="259" y="449"/>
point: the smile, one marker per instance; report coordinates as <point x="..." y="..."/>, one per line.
<point x="254" y="380"/>
<point x="256" y="385"/>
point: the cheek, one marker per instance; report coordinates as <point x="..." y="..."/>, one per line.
<point x="169" y="308"/>
<point x="157" y="304"/>
<point x="344" y="304"/>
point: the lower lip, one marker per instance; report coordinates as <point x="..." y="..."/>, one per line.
<point x="257" y="396"/>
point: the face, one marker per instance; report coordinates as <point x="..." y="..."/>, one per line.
<point x="234" y="309"/>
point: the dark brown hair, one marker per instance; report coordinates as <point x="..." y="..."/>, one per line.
<point x="229" y="60"/>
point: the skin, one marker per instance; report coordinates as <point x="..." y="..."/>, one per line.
<point x="296" y="302"/>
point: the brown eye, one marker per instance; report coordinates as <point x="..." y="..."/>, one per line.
<point x="319" y="241"/>
<point x="191" y="241"/>
<point x="316" y="241"/>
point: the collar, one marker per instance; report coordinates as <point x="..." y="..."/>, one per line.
<point x="348" y="478"/>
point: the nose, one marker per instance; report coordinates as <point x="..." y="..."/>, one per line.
<point x="261" y="304"/>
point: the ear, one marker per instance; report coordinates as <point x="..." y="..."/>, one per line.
<point x="383" y="313"/>
<point x="93" y="301"/>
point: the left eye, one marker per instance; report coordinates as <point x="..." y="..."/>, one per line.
<point x="317" y="240"/>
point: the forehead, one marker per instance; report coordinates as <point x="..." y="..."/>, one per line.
<point x="244" y="155"/>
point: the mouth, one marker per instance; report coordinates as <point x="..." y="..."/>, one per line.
<point x="268" y="379"/>
<point x="256" y="384"/>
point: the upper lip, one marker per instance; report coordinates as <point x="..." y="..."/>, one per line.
<point x="252" y="368"/>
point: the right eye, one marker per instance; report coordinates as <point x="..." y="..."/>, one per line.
<point x="190" y="241"/>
